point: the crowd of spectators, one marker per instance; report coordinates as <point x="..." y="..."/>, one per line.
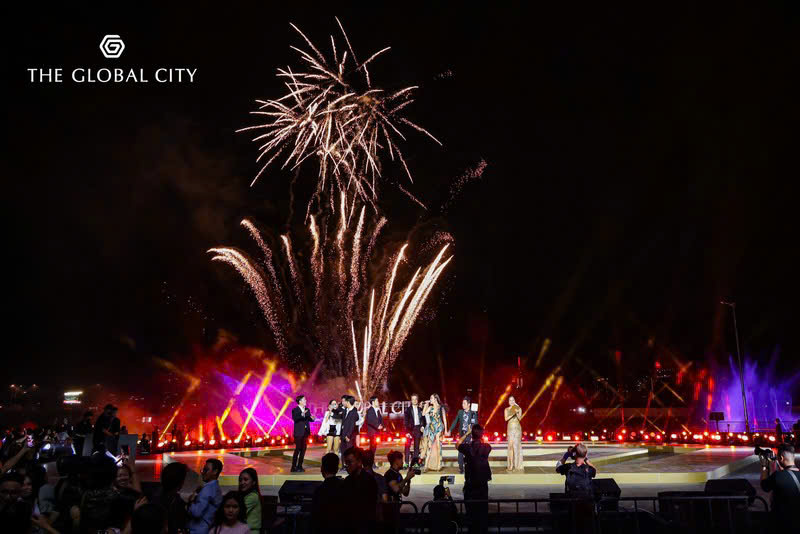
<point x="48" y="486"/>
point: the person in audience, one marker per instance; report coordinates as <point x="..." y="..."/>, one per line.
<point x="444" y="514"/>
<point x="477" y="475"/>
<point x="230" y="517"/>
<point x="101" y="429"/>
<point x="781" y="478"/>
<point x="173" y="477"/>
<point x="149" y="519"/>
<point x="82" y="430"/>
<point x="398" y="486"/>
<point x="203" y="504"/>
<point x="251" y="497"/>
<point x="328" y="500"/>
<point x="95" y="510"/>
<point x="579" y="474"/>
<point x="361" y="492"/>
<point x="127" y="479"/>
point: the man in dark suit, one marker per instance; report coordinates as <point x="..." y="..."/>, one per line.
<point x="415" y="425"/>
<point x="463" y="420"/>
<point x="374" y="422"/>
<point x="349" y="425"/>
<point x="301" y="417"/>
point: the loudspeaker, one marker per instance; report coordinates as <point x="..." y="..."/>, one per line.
<point x="298" y="490"/>
<point x="731" y="487"/>
<point x="606" y="492"/>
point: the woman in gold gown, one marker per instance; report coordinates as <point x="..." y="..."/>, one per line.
<point x="514" y="433"/>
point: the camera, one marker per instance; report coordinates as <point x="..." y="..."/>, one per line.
<point x="417" y="470"/>
<point x="447" y="480"/>
<point x="765" y="453"/>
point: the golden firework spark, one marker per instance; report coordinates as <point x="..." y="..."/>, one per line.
<point x="333" y="113"/>
<point x="376" y="317"/>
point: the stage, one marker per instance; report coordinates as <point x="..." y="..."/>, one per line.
<point x="628" y="464"/>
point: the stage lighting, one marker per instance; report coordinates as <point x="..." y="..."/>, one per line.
<point x="772" y="438"/>
<point x="716" y="437"/>
<point x="658" y="436"/>
<point x="623" y="431"/>
<point x="259" y="440"/>
<point x="594" y="438"/>
<point x="620" y="437"/>
<point x="673" y="436"/>
<point x="697" y="436"/>
<point x="549" y="438"/>
<point x="404" y="441"/>
<point x="187" y="443"/>
<point x="744" y="437"/>
<point x="212" y="441"/>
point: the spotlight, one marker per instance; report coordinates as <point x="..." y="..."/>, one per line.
<point x="187" y="443"/>
<point x="212" y="441"/>
<point x="620" y="437"/>
<point x="673" y="436"/>
<point x="549" y="438"/>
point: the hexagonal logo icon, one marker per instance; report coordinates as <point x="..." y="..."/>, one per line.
<point x="112" y="46"/>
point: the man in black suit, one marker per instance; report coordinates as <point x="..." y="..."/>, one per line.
<point x="374" y="422"/>
<point x="349" y="425"/>
<point x="415" y="425"/>
<point x="463" y="420"/>
<point x="301" y="417"/>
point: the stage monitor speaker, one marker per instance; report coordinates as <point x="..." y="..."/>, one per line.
<point x="298" y="490"/>
<point x="606" y="492"/>
<point x="731" y="487"/>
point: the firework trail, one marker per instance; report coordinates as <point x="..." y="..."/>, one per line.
<point x="344" y="306"/>
<point x="333" y="114"/>
<point x="469" y="176"/>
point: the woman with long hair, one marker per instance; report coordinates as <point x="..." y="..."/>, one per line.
<point x="331" y="427"/>
<point x="251" y="496"/>
<point x="230" y="517"/>
<point x="434" y="431"/>
<point x="513" y="414"/>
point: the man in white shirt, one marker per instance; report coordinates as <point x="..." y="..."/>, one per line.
<point x="415" y="426"/>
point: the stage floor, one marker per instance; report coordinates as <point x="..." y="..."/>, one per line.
<point x="627" y="464"/>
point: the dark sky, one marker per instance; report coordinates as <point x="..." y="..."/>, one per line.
<point x="641" y="166"/>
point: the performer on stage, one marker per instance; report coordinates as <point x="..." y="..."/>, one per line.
<point x="331" y="427"/>
<point x="433" y="433"/>
<point x="301" y="417"/>
<point x="415" y="426"/>
<point x="514" y="434"/>
<point x="349" y="428"/>
<point x="462" y="422"/>
<point x="374" y="420"/>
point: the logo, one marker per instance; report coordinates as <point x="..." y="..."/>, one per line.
<point x="112" y="46"/>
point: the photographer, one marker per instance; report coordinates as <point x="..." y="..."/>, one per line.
<point x="781" y="477"/>
<point x="477" y="475"/>
<point x="579" y="474"/>
<point x="443" y="512"/>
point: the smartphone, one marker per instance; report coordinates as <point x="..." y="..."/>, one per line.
<point x="474" y="407"/>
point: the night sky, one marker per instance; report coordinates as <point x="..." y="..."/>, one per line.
<point x="641" y="167"/>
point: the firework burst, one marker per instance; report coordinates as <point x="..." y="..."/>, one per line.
<point x="333" y="114"/>
<point x="354" y="325"/>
